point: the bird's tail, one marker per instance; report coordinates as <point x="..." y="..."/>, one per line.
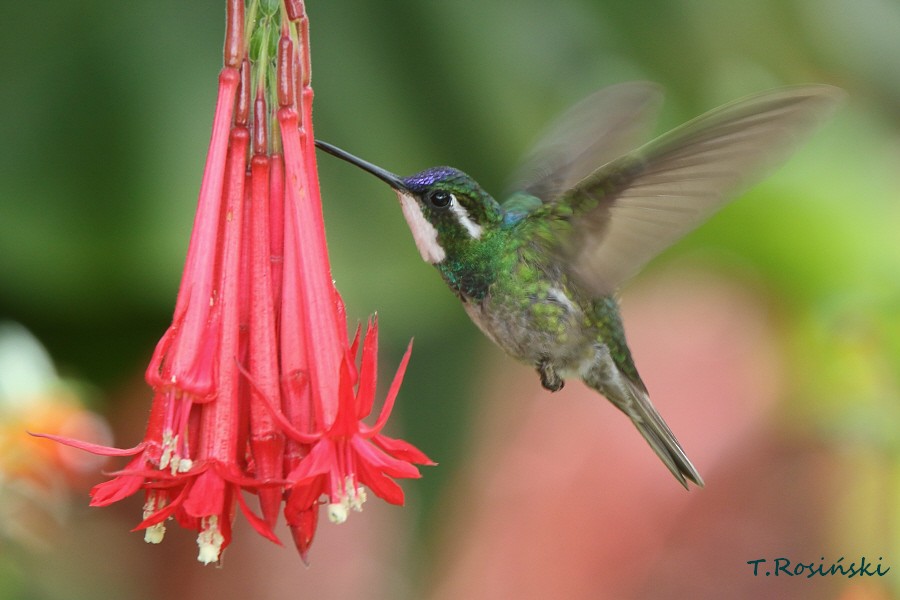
<point x="634" y="401"/>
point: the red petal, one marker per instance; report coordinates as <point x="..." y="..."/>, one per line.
<point x="402" y="450"/>
<point x="392" y="394"/>
<point x="89" y="447"/>
<point x="116" y="489"/>
<point x="320" y="460"/>
<point x="261" y="527"/>
<point x="234" y="476"/>
<point x="163" y="513"/>
<point x="153" y="478"/>
<point x="340" y="307"/>
<point x="365" y="393"/>
<point x="345" y="421"/>
<point x="387" y="464"/>
<point x="354" y="346"/>
<point x="302" y="497"/>
<point x="383" y="487"/>
<point x="207" y="495"/>
<point x="153" y="375"/>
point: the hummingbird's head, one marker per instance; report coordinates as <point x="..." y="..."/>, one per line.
<point x="446" y="210"/>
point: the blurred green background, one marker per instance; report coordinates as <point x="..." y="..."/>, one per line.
<point x="105" y="112"/>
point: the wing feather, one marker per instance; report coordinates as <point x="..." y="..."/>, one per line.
<point x="597" y="130"/>
<point x="626" y="212"/>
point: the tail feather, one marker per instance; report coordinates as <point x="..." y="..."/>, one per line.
<point x="634" y="401"/>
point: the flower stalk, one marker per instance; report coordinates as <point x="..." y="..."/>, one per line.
<point x="256" y="384"/>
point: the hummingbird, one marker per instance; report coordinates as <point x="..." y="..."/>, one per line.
<point x="538" y="273"/>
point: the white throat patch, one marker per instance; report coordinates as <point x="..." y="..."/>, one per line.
<point x="423" y="232"/>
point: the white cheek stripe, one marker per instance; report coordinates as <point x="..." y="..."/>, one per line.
<point x="462" y="215"/>
<point x="423" y="232"/>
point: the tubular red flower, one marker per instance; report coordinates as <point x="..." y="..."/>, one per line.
<point x="266" y="440"/>
<point x="309" y="257"/>
<point x="185" y="355"/>
<point x="256" y="387"/>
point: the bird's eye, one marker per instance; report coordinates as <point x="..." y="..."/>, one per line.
<point x="440" y="198"/>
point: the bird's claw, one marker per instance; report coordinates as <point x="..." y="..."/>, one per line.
<point x="549" y="378"/>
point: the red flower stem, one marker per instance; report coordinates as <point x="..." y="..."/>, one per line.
<point x="234" y="33"/>
<point x="311" y="167"/>
<point x="305" y="62"/>
<point x="285" y="71"/>
<point x="298" y="76"/>
<point x="260" y="127"/>
<point x="295" y="9"/>
<point x="242" y="110"/>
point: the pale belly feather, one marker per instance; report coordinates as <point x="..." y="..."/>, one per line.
<point x="534" y="328"/>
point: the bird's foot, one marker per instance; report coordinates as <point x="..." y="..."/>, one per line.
<point x="549" y="378"/>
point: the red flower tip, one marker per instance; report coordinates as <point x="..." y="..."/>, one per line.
<point x="303" y="530"/>
<point x="268" y="455"/>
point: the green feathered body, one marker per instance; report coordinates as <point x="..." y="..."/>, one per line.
<point x="519" y="293"/>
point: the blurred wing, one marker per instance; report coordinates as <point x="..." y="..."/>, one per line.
<point x="597" y="130"/>
<point x="632" y="209"/>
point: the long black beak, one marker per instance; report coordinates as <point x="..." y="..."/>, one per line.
<point x="382" y="174"/>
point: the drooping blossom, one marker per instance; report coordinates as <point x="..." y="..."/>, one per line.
<point x="255" y="383"/>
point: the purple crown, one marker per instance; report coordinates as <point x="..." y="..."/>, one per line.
<point x="428" y="177"/>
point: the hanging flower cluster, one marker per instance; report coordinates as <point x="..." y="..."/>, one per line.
<point x="256" y="385"/>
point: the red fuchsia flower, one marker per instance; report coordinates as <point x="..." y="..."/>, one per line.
<point x="255" y="382"/>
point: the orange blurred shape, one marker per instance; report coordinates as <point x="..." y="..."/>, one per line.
<point x="37" y="476"/>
